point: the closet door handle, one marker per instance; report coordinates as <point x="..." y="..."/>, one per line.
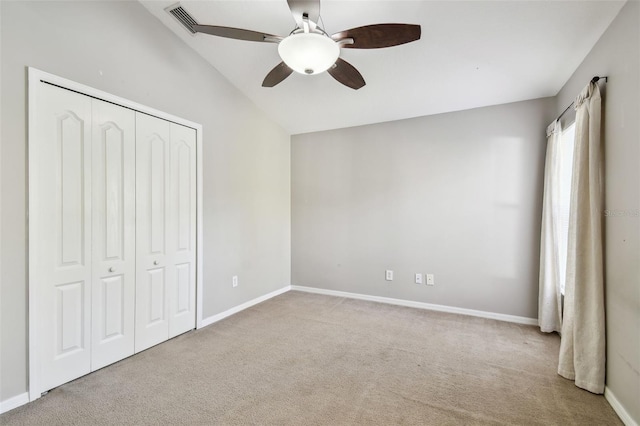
<point x="155" y="262"/>
<point x="112" y="269"/>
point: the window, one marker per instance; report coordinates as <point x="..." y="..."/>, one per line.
<point x="566" y="170"/>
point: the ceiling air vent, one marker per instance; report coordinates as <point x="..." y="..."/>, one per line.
<point x="182" y="16"/>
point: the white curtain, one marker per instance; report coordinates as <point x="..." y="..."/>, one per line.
<point x="549" y="297"/>
<point x="582" y="347"/>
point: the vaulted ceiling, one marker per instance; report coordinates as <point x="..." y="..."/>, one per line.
<point x="471" y="54"/>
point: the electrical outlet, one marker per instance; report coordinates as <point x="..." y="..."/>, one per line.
<point x="431" y="280"/>
<point x="388" y="275"/>
<point x="234" y="281"/>
<point x="418" y="278"/>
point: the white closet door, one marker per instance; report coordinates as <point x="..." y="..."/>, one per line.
<point x="113" y="248"/>
<point x="60" y="195"/>
<point x="153" y="271"/>
<point x="182" y="251"/>
<point x="165" y="230"/>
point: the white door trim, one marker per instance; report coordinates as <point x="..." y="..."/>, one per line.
<point x="35" y="78"/>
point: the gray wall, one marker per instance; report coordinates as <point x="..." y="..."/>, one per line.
<point x="457" y="195"/>
<point x="119" y="48"/>
<point x="617" y="55"/>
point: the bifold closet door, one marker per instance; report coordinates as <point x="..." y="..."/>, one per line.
<point x="60" y="209"/>
<point x="182" y="303"/>
<point x="165" y="230"/>
<point x="113" y="248"/>
<point x="84" y="210"/>
<point x="112" y="233"/>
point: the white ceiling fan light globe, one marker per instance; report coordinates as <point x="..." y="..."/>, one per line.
<point x="308" y="53"/>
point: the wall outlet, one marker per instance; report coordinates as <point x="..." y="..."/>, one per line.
<point x="431" y="279"/>
<point x="388" y="275"/>
<point x="418" y="278"/>
<point x="234" y="281"/>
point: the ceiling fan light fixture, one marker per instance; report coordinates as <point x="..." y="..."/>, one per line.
<point x="309" y="53"/>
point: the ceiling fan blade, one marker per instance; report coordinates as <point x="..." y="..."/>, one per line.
<point x="236" y="33"/>
<point x="300" y="7"/>
<point x="379" y="35"/>
<point x="346" y="74"/>
<point x="276" y="75"/>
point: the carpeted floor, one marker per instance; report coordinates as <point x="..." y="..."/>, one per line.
<point x="307" y="359"/>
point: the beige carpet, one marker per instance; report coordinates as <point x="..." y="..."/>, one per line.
<point x="307" y="359"/>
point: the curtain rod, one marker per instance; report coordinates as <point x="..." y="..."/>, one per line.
<point x="593" y="80"/>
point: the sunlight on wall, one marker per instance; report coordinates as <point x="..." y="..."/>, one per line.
<point x="508" y="158"/>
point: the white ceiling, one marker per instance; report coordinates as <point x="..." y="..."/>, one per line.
<point x="471" y="54"/>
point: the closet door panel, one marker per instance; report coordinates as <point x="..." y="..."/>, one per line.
<point x="183" y="229"/>
<point x="154" y="273"/>
<point x="113" y="301"/>
<point x="60" y="195"/>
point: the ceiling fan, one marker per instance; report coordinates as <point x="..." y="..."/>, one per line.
<point x="308" y="49"/>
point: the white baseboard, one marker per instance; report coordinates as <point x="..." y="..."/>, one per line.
<point x="618" y="408"/>
<point x="14" y="402"/>
<point x="222" y="315"/>
<point x="420" y="305"/>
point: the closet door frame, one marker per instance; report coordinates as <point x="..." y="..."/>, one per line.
<point x="36" y="78"/>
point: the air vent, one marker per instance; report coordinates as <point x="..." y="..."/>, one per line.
<point x="182" y="16"/>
